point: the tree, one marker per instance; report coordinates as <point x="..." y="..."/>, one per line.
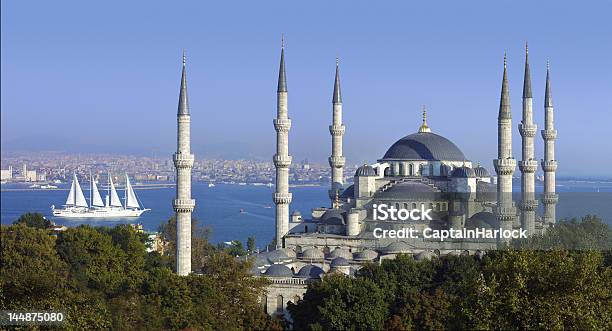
<point x="200" y="247"/>
<point x="35" y="220"/>
<point x="251" y="244"/>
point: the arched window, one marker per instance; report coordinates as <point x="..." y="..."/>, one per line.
<point x="431" y="170"/>
<point x="264" y="303"/>
<point x="411" y="169"/>
<point x="414" y="205"/>
<point x="401" y="169"/>
<point x="279" y="304"/>
<point x="405" y="205"/>
<point x="438" y="206"/>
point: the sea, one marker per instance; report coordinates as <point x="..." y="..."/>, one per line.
<point x="236" y="212"/>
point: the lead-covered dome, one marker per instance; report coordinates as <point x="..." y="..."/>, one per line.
<point x="424" y="146"/>
<point x="365" y="171"/>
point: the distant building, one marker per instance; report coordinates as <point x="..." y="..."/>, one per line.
<point x="6" y="175"/>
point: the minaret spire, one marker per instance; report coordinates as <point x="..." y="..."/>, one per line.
<point x="424" y="127"/>
<point x="282" y="160"/>
<point x="183" y="205"/>
<point x="282" y="77"/>
<point x="549" y="164"/>
<point x="336" y="129"/>
<point x="528" y="165"/>
<point x="505" y="163"/>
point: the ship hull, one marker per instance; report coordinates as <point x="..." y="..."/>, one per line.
<point x="97" y="213"/>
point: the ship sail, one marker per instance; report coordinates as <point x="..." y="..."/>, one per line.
<point x="70" y="200"/>
<point x="79" y="197"/>
<point x="96" y="199"/>
<point x="114" y="198"/>
<point x="130" y="196"/>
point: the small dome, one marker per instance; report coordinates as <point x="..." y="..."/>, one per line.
<point x="278" y="270"/>
<point x="425" y="255"/>
<point x="278" y="255"/>
<point x="481" y="172"/>
<point x="365" y="255"/>
<point x="296" y="213"/>
<point x="340" y="252"/>
<point x="333" y="217"/>
<point x="339" y="262"/>
<point x="312" y="254"/>
<point x="463" y="172"/>
<point x="365" y="171"/>
<point x="396" y="248"/>
<point x="454" y="253"/>
<point x="310" y="271"/>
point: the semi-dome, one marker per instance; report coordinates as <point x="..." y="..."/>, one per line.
<point x="408" y="189"/>
<point x="397" y="247"/>
<point x="365" y="255"/>
<point x="339" y="262"/>
<point x="424" y="146"/>
<point x="483" y="219"/>
<point x="340" y="252"/>
<point x="278" y="270"/>
<point x="481" y="172"/>
<point x="463" y="172"/>
<point x="312" y="254"/>
<point x="348" y="193"/>
<point x="365" y="171"/>
<point x="310" y="271"/>
<point x="333" y="217"/>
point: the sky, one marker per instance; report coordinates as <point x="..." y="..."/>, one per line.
<point x="103" y="76"/>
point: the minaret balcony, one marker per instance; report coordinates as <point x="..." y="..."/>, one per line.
<point x="550" y="198"/>
<point x="183" y="205"/>
<point x="528" y="130"/>
<point x="282" y="161"/>
<point x="549" y="134"/>
<point x="549" y="166"/>
<point x="183" y="160"/>
<point x="504" y="166"/>
<point x="282" y="124"/>
<point x="337" y="161"/>
<point x="528" y="166"/>
<point x="337" y="130"/>
<point x="282" y="198"/>
<point x="528" y="205"/>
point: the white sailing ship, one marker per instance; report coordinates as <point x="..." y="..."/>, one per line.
<point x="76" y="205"/>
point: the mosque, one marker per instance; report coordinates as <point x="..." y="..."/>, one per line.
<point x="423" y="170"/>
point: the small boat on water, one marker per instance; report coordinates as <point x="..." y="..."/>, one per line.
<point x="242" y="211"/>
<point x="211" y="185"/>
<point x="76" y="205"/>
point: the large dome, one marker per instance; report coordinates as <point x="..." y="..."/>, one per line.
<point x="424" y="146"/>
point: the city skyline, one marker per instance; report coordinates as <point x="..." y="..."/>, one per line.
<point x="109" y="90"/>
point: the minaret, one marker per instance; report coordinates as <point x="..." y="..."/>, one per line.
<point x="505" y="163"/>
<point x="336" y="129"/>
<point x="282" y="159"/>
<point x="528" y="164"/>
<point x="549" y="164"/>
<point x="183" y="162"/>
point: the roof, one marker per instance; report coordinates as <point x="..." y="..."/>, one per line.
<point x="278" y="270"/>
<point x="365" y="171"/>
<point x="424" y="146"/>
<point x="277" y="256"/>
<point x="483" y="219"/>
<point x="349" y="192"/>
<point x="310" y="271"/>
<point x="183" y="106"/>
<point x="425" y="255"/>
<point x="337" y="94"/>
<point x="282" y="77"/>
